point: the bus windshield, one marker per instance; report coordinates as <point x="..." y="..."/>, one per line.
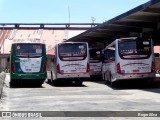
<point x="109" y="54"/>
<point x="72" y="51"/>
<point x="95" y="55"/>
<point x="131" y="49"/>
<point x="28" y="50"/>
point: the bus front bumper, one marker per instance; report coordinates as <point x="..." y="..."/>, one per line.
<point x="41" y="76"/>
<point x="61" y="76"/>
<point x="135" y="76"/>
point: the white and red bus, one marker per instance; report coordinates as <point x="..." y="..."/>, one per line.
<point x="95" y="63"/>
<point x="71" y="62"/>
<point x="128" y="58"/>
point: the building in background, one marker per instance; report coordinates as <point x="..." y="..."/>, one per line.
<point x="47" y="36"/>
<point x="157" y="59"/>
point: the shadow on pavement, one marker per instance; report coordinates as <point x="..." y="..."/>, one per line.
<point x="65" y="84"/>
<point x="26" y="85"/>
<point x="151" y="85"/>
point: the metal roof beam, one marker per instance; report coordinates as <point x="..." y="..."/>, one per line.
<point x="108" y="31"/>
<point x="144" y="18"/>
<point x="61" y="26"/>
<point x="137" y="24"/>
<point x="112" y="33"/>
<point x="122" y="28"/>
<point x="152" y="10"/>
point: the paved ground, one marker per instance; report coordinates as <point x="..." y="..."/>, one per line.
<point x="91" y="96"/>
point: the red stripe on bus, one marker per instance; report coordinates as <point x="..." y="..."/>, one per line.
<point x="75" y="73"/>
<point x="72" y="64"/>
<point x="135" y="63"/>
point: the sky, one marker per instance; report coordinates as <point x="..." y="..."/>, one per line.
<point x="63" y="11"/>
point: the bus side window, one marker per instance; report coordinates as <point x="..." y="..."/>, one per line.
<point x="112" y="57"/>
<point x="105" y="56"/>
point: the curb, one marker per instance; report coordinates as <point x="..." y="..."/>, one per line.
<point x="2" y="78"/>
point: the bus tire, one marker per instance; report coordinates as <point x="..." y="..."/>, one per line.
<point x="105" y="78"/>
<point x="112" y="84"/>
<point x="110" y="80"/>
<point x="49" y="81"/>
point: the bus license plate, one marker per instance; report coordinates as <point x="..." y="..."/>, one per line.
<point x="135" y="71"/>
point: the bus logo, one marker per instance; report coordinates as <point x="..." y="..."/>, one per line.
<point x="6" y="114"/>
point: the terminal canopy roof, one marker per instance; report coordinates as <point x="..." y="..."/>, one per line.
<point x="143" y="20"/>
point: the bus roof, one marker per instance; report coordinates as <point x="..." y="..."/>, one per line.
<point x="28" y="43"/>
<point x="75" y="42"/>
<point x="111" y="44"/>
<point x="70" y="42"/>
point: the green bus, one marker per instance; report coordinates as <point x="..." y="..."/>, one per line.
<point x="28" y="63"/>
